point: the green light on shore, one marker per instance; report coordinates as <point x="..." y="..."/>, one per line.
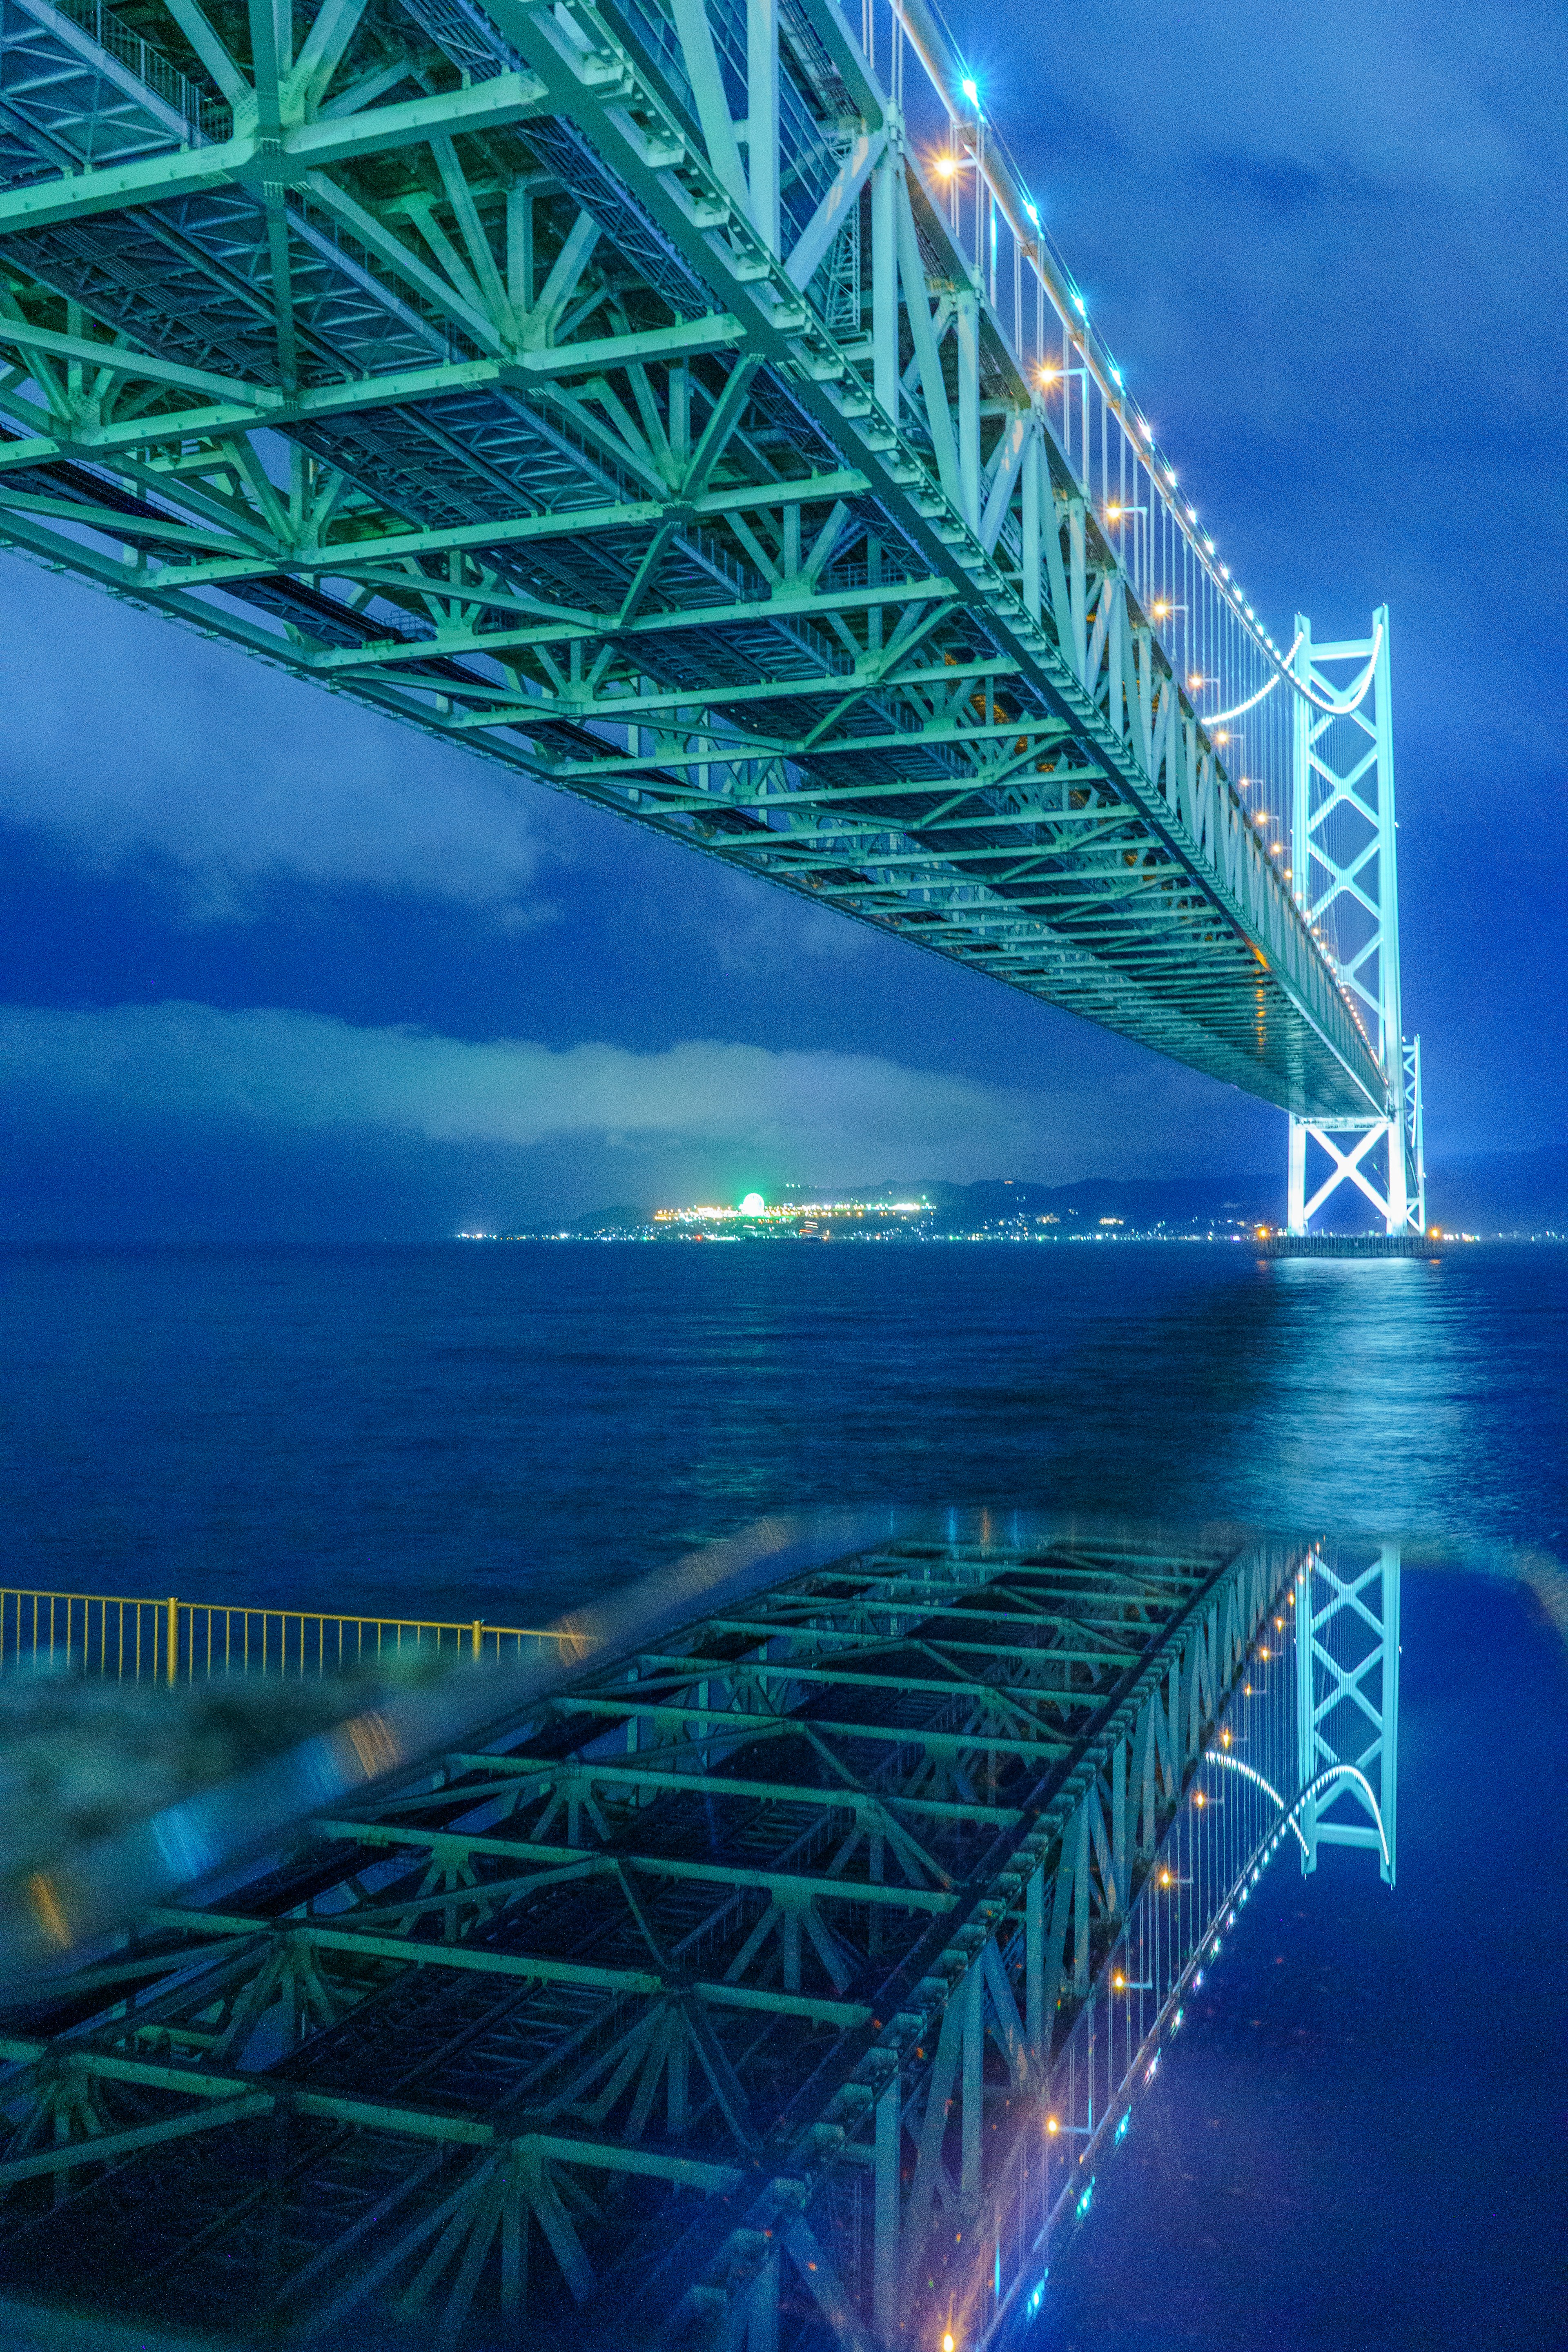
<point x="753" y="1205"/>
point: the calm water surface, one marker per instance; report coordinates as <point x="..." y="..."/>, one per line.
<point x="484" y="1430"/>
<point x="1363" y="2140"/>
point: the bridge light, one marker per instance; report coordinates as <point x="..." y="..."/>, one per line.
<point x="947" y="2343"/>
<point x="1049" y="374"/>
<point x="945" y="167"/>
<point x="1119" y="1983"/>
<point x="1052" y="2125"/>
<point x="1171" y="475"/>
<point x="971" y="93"/>
<point x="1033" y="215"/>
<point x="1116" y="377"/>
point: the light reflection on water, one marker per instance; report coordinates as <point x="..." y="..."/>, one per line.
<point x="1357" y="2141"/>
<point x="481" y="1431"/>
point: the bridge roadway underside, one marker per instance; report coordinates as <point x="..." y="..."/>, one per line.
<point x="451" y="365"/>
<point x="681" y="2011"/>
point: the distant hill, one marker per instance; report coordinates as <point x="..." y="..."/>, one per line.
<point x="618" y="1220"/>
<point x="1512" y="1191"/>
<point x="1181" y="1200"/>
<point x="1137" y="1200"/>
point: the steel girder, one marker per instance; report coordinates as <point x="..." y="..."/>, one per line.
<point x="456" y="359"/>
<point x="632" y="1984"/>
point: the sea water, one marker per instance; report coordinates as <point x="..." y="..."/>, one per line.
<point x="1361" y="2138"/>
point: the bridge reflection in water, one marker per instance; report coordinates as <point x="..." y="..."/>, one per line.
<point x="785" y="1977"/>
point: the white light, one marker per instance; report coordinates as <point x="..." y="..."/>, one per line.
<point x="753" y="1205"/>
<point x="970" y="92"/>
<point x="1033" y="215"/>
<point x="1116" y="377"/>
<point x="1079" y="307"/>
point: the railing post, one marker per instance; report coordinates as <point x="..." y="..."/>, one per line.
<point x="1034" y="1964"/>
<point x="479" y="1630"/>
<point x="762" y="2308"/>
<point x="1031" y="549"/>
<point x="174" y="1640"/>
<point x="972" y="2120"/>
<point x="885" y="283"/>
<point x="885" y="2234"/>
<point x="967" y="338"/>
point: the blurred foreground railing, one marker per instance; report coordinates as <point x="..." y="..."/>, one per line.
<point x="120" y="1639"/>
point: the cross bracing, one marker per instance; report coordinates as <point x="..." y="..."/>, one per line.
<point x="761" y="1946"/>
<point x="612" y="390"/>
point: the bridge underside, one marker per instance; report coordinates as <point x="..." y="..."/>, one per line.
<point x="457" y="364"/>
<point x="752" y="1945"/>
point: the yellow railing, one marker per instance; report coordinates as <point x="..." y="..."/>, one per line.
<point x="120" y="1639"/>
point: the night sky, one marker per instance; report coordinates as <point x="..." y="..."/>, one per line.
<point x="270" y="965"/>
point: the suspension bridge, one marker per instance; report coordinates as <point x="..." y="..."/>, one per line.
<point x="773" y="1966"/>
<point x="679" y="401"/>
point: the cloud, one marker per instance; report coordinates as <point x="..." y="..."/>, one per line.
<point x="1404" y="96"/>
<point x="855" y="1113"/>
<point x="149" y="746"/>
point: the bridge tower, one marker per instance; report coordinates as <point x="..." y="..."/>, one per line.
<point x="1345" y="877"/>
<point x="1347" y="1699"/>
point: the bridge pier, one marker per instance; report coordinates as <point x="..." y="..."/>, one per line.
<point x="1347" y="1700"/>
<point x="1345" y="876"/>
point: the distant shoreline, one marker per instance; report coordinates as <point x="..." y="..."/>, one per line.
<point x="906" y="1239"/>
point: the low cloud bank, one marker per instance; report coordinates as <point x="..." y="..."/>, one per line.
<point x="854" y="1116"/>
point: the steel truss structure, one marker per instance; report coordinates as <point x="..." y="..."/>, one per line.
<point x="1347" y="1697"/>
<point x="781" y="1985"/>
<point x="635" y="393"/>
<point x="1345" y="868"/>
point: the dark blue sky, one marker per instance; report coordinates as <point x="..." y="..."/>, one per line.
<point x="267" y="963"/>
